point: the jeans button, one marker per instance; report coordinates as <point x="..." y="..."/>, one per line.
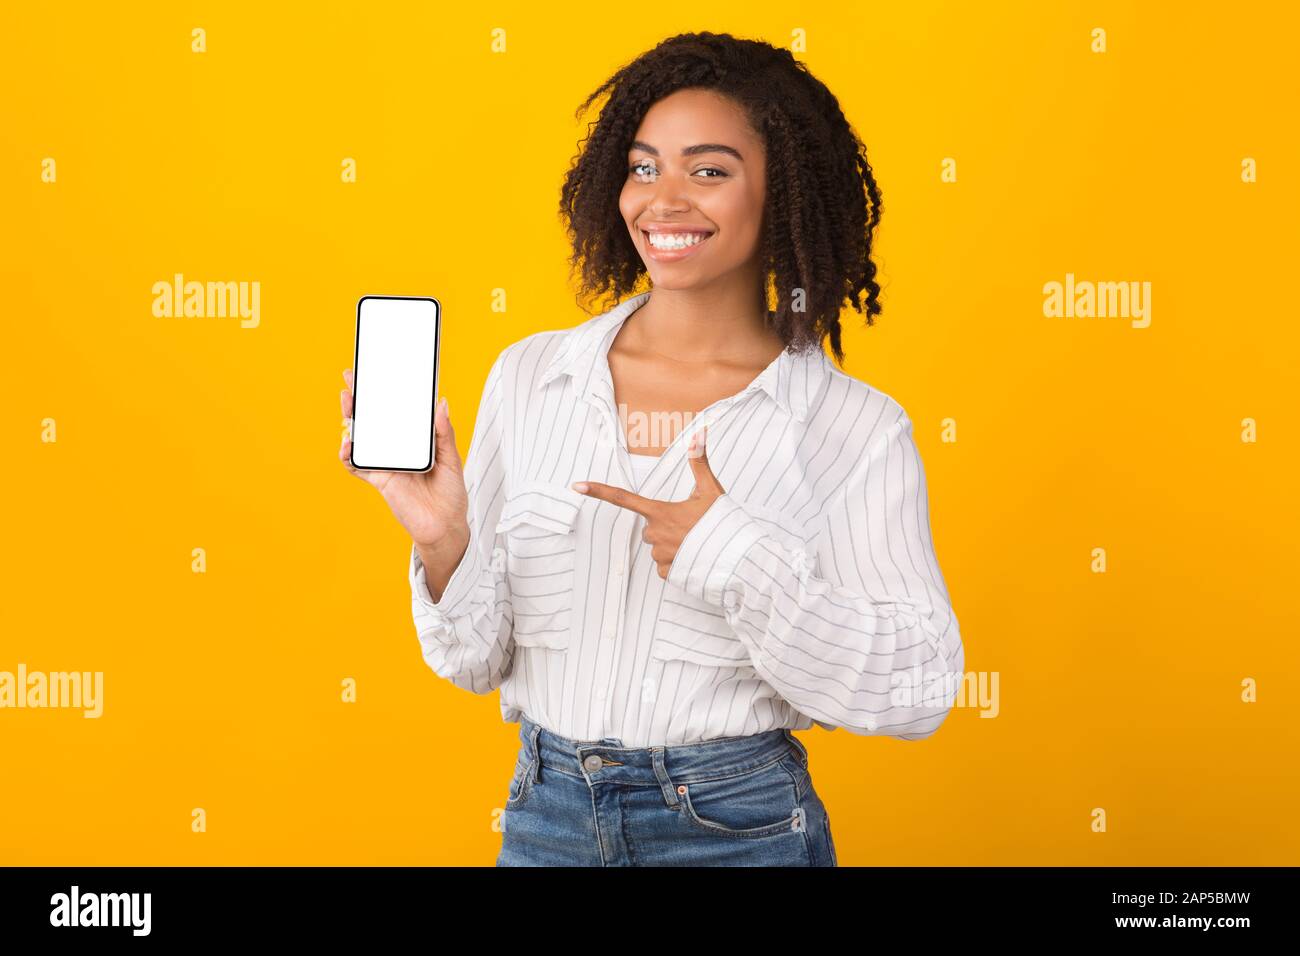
<point x="592" y="762"/>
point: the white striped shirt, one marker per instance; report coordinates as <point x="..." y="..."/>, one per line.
<point x="808" y="593"/>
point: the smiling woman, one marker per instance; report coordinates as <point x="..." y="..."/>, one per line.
<point x="739" y="142"/>
<point x="719" y="230"/>
<point x="660" y="627"/>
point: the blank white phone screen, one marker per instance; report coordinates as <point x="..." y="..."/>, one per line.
<point x="394" y="382"/>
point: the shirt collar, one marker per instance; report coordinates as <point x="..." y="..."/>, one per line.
<point x="793" y="380"/>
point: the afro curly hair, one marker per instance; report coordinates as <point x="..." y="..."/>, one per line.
<point x="822" y="202"/>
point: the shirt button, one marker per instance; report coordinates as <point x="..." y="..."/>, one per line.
<point x="592" y="762"/>
<point x="609" y="635"/>
<point x="600" y="693"/>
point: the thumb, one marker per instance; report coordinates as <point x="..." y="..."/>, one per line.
<point x="697" y="455"/>
<point x="444" y="442"/>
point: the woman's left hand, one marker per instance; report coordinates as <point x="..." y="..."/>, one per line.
<point x="667" y="522"/>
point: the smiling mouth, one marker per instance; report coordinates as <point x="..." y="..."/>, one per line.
<point x="670" y="245"/>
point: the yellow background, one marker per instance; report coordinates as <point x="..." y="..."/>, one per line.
<point x="1119" y="691"/>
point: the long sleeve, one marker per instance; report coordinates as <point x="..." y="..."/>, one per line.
<point x="871" y="643"/>
<point x="466" y="634"/>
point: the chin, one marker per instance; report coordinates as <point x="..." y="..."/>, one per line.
<point x="676" y="279"/>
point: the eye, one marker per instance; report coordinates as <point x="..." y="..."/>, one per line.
<point x="644" y="170"/>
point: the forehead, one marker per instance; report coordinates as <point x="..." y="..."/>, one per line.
<point x="690" y="116"/>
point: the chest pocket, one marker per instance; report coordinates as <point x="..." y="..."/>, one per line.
<point x="690" y="629"/>
<point x="538" y="525"/>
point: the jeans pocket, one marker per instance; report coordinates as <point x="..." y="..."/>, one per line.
<point x="756" y="803"/>
<point x="521" y="784"/>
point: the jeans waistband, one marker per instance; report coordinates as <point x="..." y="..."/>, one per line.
<point x="666" y="766"/>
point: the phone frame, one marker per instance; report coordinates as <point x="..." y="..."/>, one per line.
<point x="437" y="374"/>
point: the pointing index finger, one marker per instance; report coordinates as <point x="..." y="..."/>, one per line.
<point x="618" y="496"/>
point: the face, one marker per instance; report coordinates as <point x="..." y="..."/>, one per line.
<point x="696" y="182"/>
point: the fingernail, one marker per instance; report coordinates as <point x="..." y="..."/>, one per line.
<point x="446" y="409"/>
<point x="579" y="486"/>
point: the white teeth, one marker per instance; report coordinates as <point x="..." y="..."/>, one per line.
<point x="662" y="240"/>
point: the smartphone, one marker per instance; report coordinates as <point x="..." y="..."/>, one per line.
<point x="395" y="382"/>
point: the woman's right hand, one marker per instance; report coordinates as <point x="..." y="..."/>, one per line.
<point x="432" y="505"/>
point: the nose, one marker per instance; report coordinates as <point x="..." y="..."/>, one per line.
<point x="668" y="196"/>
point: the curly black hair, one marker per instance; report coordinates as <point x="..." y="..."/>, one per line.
<point x="822" y="202"/>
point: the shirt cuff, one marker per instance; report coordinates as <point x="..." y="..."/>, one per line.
<point x="460" y="588"/>
<point x="713" y="549"/>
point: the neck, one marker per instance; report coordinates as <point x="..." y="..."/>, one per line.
<point x="714" y="321"/>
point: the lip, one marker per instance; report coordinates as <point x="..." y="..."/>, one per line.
<point x="673" y="255"/>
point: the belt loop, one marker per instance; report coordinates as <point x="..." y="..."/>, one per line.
<point x="665" y="782"/>
<point x="537" y="753"/>
<point x="803" y="751"/>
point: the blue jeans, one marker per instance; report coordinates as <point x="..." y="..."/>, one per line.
<point x="731" y="801"/>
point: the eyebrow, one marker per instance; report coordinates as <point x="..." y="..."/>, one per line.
<point x="691" y="150"/>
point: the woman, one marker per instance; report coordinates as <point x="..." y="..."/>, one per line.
<point x="661" y="607"/>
